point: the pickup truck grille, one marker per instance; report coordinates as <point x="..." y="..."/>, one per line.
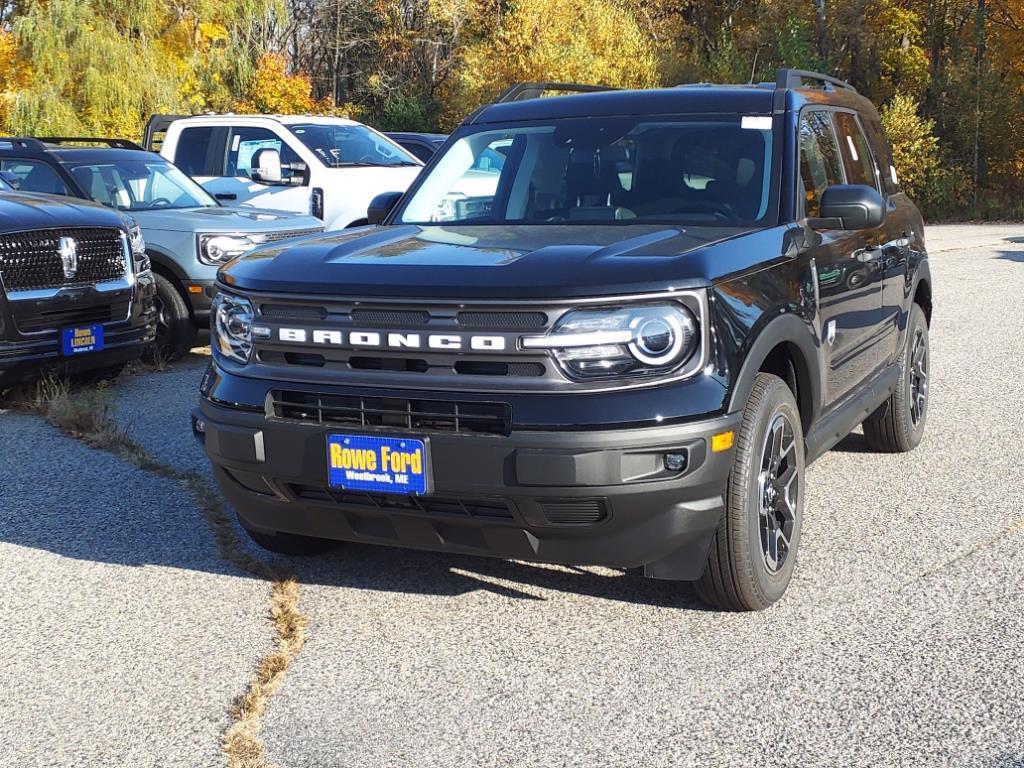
<point x="402" y="413"/>
<point x="31" y="261"/>
<point x="47" y="318"/>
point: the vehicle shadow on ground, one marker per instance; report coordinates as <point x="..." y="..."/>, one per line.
<point x="364" y="566"/>
<point x="61" y="496"/>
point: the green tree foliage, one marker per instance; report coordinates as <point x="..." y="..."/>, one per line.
<point x="915" y="149"/>
<point x="102" y="66"/>
<point x="949" y="73"/>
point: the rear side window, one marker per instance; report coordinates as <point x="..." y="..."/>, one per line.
<point x="820" y="164"/>
<point x="33" y="176"/>
<point x="857" y="156"/>
<point x="200" y="151"/>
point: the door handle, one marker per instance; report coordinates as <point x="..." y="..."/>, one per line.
<point x="226" y="196"/>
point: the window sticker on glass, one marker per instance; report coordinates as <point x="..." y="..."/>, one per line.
<point x="249" y="148"/>
<point x="757" y="122"/>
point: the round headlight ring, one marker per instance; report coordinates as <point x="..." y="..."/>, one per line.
<point x="646" y="351"/>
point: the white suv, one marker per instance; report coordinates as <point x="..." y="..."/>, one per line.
<point x="327" y="166"/>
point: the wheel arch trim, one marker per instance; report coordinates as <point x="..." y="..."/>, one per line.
<point x="793" y="331"/>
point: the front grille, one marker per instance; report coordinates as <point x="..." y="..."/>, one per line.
<point x="502" y="320"/>
<point x="48" y="319"/>
<point x="574" y="511"/>
<point x="291" y="312"/>
<point x="274" y="237"/>
<point x="394" y="318"/>
<point x="403" y="413"/>
<point x="31" y="261"/>
<point x="495" y="509"/>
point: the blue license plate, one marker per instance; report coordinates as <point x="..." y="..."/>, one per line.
<point x="378" y="464"/>
<point x="81" y="339"/>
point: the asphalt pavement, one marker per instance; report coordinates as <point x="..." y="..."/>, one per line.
<point x="899" y="643"/>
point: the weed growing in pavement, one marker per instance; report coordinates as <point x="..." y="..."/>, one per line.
<point x="87" y="414"/>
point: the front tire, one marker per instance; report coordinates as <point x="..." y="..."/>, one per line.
<point x="753" y="552"/>
<point x="898" y="425"/>
<point x="175" y="330"/>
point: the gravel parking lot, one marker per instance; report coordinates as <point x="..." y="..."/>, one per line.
<point x="900" y="642"/>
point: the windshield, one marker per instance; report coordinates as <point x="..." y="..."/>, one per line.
<point x="4" y="186"/>
<point x="140" y="185"/>
<point x="339" y="146"/>
<point x="707" y="170"/>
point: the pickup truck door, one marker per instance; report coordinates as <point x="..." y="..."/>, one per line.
<point x="847" y="267"/>
<point x="220" y="159"/>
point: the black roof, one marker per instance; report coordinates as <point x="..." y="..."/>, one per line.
<point x="752" y="100"/>
<point x="73" y="154"/>
<point x="792" y="88"/>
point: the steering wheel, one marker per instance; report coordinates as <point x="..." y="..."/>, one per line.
<point x="718" y="210"/>
<point x="160" y="202"/>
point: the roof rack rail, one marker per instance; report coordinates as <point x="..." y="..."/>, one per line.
<point x="794" y="78"/>
<point x="24" y="142"/>
<point x="523" y="91"/>
<point x="114" y="143"/>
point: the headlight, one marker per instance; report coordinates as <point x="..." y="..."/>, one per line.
<point x="137" y="243"/>
<point x="232" y="326"/>
<point x="626" y="341"/>
<point x="218" y="249"/>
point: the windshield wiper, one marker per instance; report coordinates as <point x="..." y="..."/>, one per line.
<point x="370" y="165"/>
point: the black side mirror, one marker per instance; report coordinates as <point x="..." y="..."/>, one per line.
<point x="381" y="206"/>
<point x="850" y="206"/>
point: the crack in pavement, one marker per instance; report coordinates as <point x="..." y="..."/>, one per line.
<point x="88" y="416"/>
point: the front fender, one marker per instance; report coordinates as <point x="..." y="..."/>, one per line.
<point x="804" y="350"/>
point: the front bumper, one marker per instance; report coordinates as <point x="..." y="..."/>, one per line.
<point x="200" y="295"/>
<point x="576" y="497"/>
<point x="25" y="356"/>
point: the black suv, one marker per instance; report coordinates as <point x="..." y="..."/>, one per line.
<point x="609" y="327"/>
<point x="76" y="291"/>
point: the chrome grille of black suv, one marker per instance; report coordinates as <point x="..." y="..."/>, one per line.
<point x="31" y="261"/>
<point x="403" y="413"/>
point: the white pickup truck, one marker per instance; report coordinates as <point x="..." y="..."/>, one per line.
<point x="329" y="167"/>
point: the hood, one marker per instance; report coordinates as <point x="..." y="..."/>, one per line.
<point x="502" y="262"/>
<point x="241" y="220"/>
<point x="20" y="211"/>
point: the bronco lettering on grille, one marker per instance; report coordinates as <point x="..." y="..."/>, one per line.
<point x="392" y="340"/>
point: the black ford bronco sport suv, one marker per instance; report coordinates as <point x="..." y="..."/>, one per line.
<point x="609" y="327"/>
<point x="76" y="291"/>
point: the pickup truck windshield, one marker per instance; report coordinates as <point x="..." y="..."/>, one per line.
<point x="689" y="170"/>
<point x="340" y="146"/>
<point x="139" y="185"/>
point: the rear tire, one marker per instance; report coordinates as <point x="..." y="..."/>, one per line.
<point x="898" y="425"/>
<point x="753" y="552"/>
<point x="175" y="330"/>
<point x="291" y="544"/>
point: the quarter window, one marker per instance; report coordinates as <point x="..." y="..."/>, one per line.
<point x="857" y="157"/>
<point x="820" y="166"/>
<point x="34" y="176"/>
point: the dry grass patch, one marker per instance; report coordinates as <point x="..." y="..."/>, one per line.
<point x="88" y="415"/>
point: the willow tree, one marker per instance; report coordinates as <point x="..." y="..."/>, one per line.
<point x="589" y="41"/>
<point x="101" y="66"/>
